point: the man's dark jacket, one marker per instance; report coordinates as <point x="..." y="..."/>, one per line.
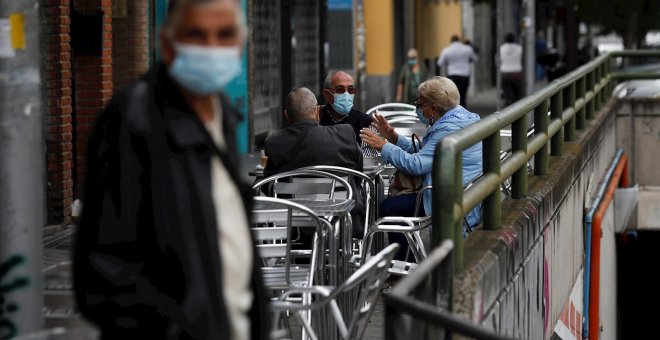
<point x="147" y="261"/>
<point x="306" y="143"/>
<point x="356" y="119"/>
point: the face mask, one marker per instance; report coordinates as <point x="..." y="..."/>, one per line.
<point x="343" y="103"/>
<point x="412" y="61"/>
<point x="205" y="70"/>
<point x="420" y="115"/>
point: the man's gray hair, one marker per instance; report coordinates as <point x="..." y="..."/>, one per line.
<point x="328" y="80"/>
<point x="175" y="7"/>
<point x="299" y="103"/>
<point x="440" y="91"/>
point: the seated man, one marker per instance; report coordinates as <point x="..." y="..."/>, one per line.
<point x="306" y="143"/>
<point x="339" y="92"/>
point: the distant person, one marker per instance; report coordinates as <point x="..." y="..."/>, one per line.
<point x="306" y="143"/>
<point x="412" y="74"/>
<point x="437" y="106"/>
<point x="164" y="248"/>
<point x="540" y="48"/>
<point x="339" y="92"/>
<point x="511" y="69"/>
<point x="458" y="59"/>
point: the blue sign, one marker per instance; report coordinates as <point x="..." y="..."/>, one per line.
<point x="237" y="91"/>
<point x="335" y="5"/>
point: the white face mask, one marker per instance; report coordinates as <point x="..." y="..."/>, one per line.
<point x="205" y="70"/>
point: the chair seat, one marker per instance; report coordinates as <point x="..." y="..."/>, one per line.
<point x="275" y="278"/>
<point x="401" y="268"/>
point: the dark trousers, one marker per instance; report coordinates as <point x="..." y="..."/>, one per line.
<point x="403" y="205"/>
<point x="511" y="87"/>
<point x="462" y="83"/>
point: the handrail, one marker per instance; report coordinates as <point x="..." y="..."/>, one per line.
<point x="571" y="100"/>
<point x="428" y="309"/>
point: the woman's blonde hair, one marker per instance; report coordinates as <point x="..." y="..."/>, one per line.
<point x="441" y="92"/>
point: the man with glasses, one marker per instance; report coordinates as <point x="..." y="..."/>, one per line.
<point x="339" y="92"/>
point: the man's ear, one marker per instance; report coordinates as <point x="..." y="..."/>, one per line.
<point x="318" y="113"/>
<point x="286" y="115"/>
<point x="328" y="96"/>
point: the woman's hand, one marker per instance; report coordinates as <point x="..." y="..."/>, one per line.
<point x="385" y="129"/>
<point x="372" y="139"/>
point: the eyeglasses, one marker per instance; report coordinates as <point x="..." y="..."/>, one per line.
<point x="418" y="103"/>
<point x="341" y="89"/>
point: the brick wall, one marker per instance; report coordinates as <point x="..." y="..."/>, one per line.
<point x="58" y="78"/>
<point x="130" y="44"/>
<point x="93" y="86"/>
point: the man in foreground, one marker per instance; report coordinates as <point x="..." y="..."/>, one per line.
<point x="164" y="249"/>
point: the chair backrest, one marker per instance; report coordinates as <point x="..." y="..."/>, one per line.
<point x="393" y="110"/>
<point x="352" y="176"/>
<point x="368" y="280"/>
<point x="303" y="184"/>
<point x="272" y="223"/>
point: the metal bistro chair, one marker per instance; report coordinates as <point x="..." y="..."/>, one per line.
<point x="313" y="186"/>
<point x="368" y="280"/>
<point x="368" y="188"/>
<point x="303" y="183"/>
<point x="272" y="222"/>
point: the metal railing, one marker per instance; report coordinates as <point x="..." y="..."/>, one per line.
<point x="571" y="100"/>
<point x="420" y="303"/>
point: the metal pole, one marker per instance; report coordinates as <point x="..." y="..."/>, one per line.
<point x="22" y="170"/>
<point x="541" y="126"/>
<point x="492" y="211"/>
<point x="499" y="34"/>
<point x="530" y="53"/>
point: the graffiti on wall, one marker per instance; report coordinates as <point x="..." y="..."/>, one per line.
<point x="9" y="283"/>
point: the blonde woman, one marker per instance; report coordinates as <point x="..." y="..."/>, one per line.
<point x="437" y="106"/>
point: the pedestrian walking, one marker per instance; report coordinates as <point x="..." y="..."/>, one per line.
<point x="458" y="58"/>
<point x="412" y="74"/>
<point x="511" y="69"/>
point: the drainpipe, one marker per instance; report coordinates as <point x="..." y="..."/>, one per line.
<point x="22" y="169"/>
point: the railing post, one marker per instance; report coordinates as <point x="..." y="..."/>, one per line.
<point x="492" y="212"/>
<point x="590" y="87"/>
<point x="569" y="135"/>
<point x="541" y="126"/>
<point x="447" y="192"/>
<point x="557" y="109"/>
<point x="581" y="121"/>
<point x="598" y="78"/>
<point x="519" y="143"/>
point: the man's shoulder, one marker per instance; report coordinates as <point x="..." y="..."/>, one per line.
<point x="361" y="117"/>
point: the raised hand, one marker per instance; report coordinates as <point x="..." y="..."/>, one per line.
<point x="383" y="126"/>
<point x="372" y="139"/>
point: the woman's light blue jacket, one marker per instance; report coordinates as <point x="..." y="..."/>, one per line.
<point x="401" y="155"/>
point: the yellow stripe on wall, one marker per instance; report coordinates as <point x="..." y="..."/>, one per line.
<point x="437" y="21"/>
<point x="379" y="36"/>
<point x="17" y="28"/>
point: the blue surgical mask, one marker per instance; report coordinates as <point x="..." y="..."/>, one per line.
<point x="412" y="61"/>
<point x="343" y="103"/>
<point x="205" y="70"/>
<point x="420" y="115"/>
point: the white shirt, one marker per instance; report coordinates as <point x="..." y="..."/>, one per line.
<point x="510" y="58"/>
<point x="234" y="237"/>
<point x="458" y="58"/>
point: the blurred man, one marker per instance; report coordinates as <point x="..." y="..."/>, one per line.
<point x="164" y="249"/>
<point x="339" y="93"/>
<point x="458" y="59"/>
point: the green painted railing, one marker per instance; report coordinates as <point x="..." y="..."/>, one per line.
<point x="571" y="100"/>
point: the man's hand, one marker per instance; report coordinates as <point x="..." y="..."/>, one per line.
<point x="385" y="129"/>
<point x="372" y="139"/>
